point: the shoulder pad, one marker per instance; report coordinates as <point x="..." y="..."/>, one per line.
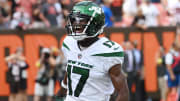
<point x="67" y="42"/>
<point x="108" y="48"/>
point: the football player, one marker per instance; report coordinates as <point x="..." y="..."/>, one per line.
<point x="94" y="64"/>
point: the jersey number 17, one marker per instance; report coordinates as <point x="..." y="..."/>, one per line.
<point x="84" y="76"/>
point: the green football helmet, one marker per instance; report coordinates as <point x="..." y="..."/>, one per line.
<point x="85" y="20"/>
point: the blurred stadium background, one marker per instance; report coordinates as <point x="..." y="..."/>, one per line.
<point x="150" y="26"/>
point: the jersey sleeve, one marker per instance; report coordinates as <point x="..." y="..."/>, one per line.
<point x="65" y="46"/>
<point x="109" y="53"/>
<point x="117" y="58"/>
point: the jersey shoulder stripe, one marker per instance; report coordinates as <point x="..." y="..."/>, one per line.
<point x="108" y="48"/>
<point x="67" y="43"/>
<point x="113" y="54"/>
<point x="65" y="46"/>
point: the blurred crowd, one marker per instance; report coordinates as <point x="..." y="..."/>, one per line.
<point x="168" y="71"/>
<point x="23" y="14"/>
<point x="134" y="71"/>
<point x="51" y="69"/>
<point x="167" y="67"/>
<point x="27" y="14"/>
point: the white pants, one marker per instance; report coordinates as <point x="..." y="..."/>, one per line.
<point x="41" y="90"/>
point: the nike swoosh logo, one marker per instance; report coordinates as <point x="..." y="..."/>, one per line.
<point x="116" y="48"/>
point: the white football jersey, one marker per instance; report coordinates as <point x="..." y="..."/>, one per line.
<point x="88" y="78"/>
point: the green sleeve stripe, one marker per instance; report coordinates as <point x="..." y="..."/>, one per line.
<point x="114" y="54"/>
<point x="66" y="46"/>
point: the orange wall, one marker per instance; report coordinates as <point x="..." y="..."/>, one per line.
<point x="32" y="42"/>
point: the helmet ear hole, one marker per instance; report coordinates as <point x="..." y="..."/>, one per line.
<point x="95" y="26"/>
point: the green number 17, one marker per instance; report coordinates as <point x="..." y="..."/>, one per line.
<point x="109" y="43"/>
<point x="84" y="76"/>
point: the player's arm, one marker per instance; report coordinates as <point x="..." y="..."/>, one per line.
<point x="119" y="82"/>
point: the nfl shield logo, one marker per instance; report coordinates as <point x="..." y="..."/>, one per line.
<point x="79" y="56"/>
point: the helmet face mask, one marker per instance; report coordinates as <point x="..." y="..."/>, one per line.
<point x="77" y="24"/>
<point x="83" y="22"/>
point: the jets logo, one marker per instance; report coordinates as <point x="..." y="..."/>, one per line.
<point x="96" y="9"/>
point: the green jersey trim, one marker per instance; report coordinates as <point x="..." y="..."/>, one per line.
<point x="66" y="46"/>
<point x="114" y="54"/>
